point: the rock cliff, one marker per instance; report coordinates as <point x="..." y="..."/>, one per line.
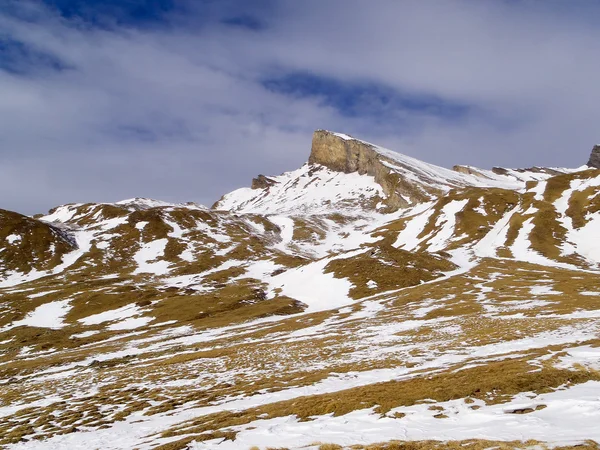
<point x="343" y="153"/>
<point x="595" y="157"/>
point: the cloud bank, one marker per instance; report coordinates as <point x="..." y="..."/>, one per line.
<point x="98" y="106"/>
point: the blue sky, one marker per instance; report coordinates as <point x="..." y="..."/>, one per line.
<point x="185" y="100"/>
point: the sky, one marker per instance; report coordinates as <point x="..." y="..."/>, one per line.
<point x="186" y="100"/>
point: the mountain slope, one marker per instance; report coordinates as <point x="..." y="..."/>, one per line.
<point x="312" y="189"/>
<point x="30" y="246"/>
<point x="364" y="297"/>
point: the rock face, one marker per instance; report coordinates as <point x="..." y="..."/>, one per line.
<point x="262" y="182"/>
<point x="342" y="154"/>
<point x="595" y="157"/>
<point x="345" y="154"/>
<point x="468" y="171"/>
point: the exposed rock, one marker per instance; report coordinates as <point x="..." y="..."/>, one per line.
<point x="595" y="157"/>
<point x="546" y="170"/>
<point x="469" y="171"/>
<point x="143" y="303"/>
<point x="346" y="154"/>
<point x="262" y="182"/>
<point x="520" y="411"/>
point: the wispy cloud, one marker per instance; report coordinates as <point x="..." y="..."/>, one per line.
<point x="188" y="102"/>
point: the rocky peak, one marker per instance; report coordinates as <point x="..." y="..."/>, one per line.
<point x="391" y="180"/>
<point x="595" y="157"/>
<point x="262" y="182"/>
<point x="343" y="153"/>
<point x="405" y="181"/>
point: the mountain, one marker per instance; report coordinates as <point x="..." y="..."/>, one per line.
<point x="366" y="297"/>
<point x="394" y="181"/>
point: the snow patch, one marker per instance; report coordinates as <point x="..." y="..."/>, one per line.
<point x="48" y="315"/>
<point x="148" y="253"/>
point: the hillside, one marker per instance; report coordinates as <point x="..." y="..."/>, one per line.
<point x="366" y="297"/>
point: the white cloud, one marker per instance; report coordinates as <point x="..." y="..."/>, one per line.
<point x="179" y="113"/>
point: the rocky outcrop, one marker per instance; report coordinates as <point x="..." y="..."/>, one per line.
<point x="468" y="171"/>
<point x="595" y="157"/>
<point x="262" y="182"/>
<point x="345" y="154"/>
<point x="540" y="170"/>
<point x="342" y="153"/>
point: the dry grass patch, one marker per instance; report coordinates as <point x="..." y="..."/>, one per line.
<point x="389" y="267"/>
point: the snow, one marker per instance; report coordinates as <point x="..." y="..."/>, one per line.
<point x="585" y="355"/>
<point x="109" y="224"/>
<point x="84" y="334"/>
<point x="135" y="429"/>
<point x="12" y="238"/>
<point x="111" y="315"/>
<point x="41" y="294"/>
<point x="539" y="190"/>
<point x="149" y="252"/>
<point x="442" y="178"/>
<point x="83" y="239"/>
<point x="312" y="189"/>
<point x="147" y="203"/>
<point x="447" y="220"/>
<point x="62" y="213"/>
<point x="188" y="254"/>
<point x="543" y="290"/>
<point x="48" y="315"/>
<point x="363" y="426"/>
<point x="581" y="240"/>
<point x="344" y="136"/>
<point x="521" y="248"/>
<point x="586" y="239"/>
<point x="408" y="238"/>
<point x="260" y="270"/>
<point x="309" y="284"/>
<point x="131" y="323"/>
<point x="286" y="225"/>
<point x="84" y="243"/>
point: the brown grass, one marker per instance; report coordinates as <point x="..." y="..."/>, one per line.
<point x="389" y="267"/>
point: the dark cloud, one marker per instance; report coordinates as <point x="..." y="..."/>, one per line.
<point x="190" y="101"/>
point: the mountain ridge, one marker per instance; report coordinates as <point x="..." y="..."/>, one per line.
<point x="405" y="181"/>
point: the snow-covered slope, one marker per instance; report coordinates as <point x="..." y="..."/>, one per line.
<point x="422" y="172"/>
<point x="312" y="189"/>
<point x="551" y="222"/>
